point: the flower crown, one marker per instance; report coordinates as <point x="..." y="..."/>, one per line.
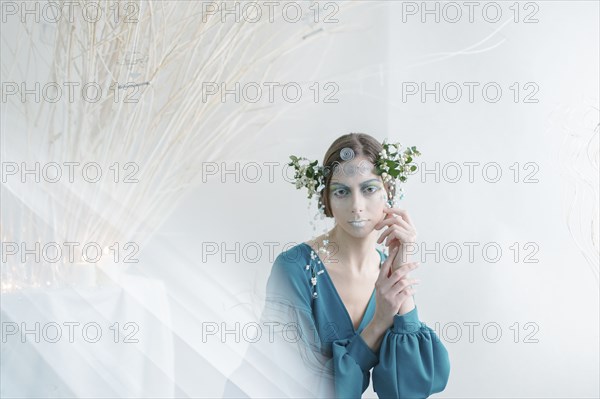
<point x="392" y="165"/>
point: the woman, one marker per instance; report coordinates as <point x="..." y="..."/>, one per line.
<point x="353" y="307"/>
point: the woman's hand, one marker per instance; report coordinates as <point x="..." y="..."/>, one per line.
<point x="400" y="231"/>
<point x="392" y="290"/>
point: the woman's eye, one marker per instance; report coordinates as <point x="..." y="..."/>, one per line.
<point x="341" y="192"/>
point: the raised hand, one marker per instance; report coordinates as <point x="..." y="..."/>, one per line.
<point x="400" y="231"/>
<point x="392" y="290"/>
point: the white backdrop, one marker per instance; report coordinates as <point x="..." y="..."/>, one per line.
<point x="545" y="306"/>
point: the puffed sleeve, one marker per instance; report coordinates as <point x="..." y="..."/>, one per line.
<point x="413" y="362"/>
<point x="352" y="361"/>
<point x="292" y="362"/>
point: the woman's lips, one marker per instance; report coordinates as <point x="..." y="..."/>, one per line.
<point x="358" y="223"/>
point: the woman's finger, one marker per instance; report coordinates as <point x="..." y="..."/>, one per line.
<point x="402" y="272"/>
<point x="393" y="222"/>
<point x="403" y="229"/>
<point x="395" y="218"/>
<point x="387" y="219"/>
<point x="407" y="218"/>
<point x="405" y="293"/>
<point x="403" y="283"/>
<point x="399" y="274"/>
<point x="383" y="235"/>
<point x="393" y="211"/>
<point x="384" y="271"/>
<point x="400" y="212"/>
<point x="403" y="223"/>
<point x="399" y="234"/>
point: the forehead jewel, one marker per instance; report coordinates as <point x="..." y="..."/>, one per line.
<point x="346" y="153"/>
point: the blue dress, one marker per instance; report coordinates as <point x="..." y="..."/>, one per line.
<point x="317" y="352"/>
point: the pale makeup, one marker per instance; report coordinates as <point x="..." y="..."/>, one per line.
<point x="357" y="193"/>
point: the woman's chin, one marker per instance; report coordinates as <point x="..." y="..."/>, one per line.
<point x="360" y="232"/>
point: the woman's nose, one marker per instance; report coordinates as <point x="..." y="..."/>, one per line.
<point x="357" y="203"/>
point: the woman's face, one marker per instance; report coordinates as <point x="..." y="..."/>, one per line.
<point x="357" y="193"/>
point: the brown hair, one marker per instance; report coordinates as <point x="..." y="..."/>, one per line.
<point x="363" y="145"/>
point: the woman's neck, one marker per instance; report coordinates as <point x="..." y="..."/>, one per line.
<point x="351" y="253"/>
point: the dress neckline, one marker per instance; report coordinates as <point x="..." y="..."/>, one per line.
<point x="339" y="298"/>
